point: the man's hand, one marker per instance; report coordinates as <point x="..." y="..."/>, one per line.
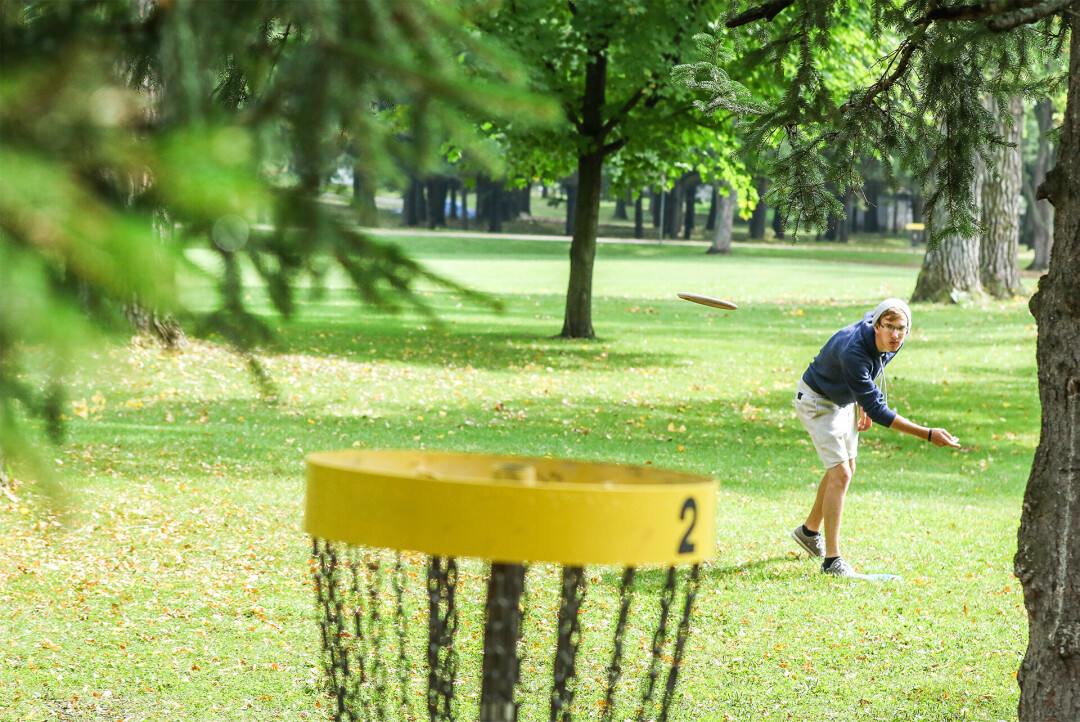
<point x="864" y="420"/>
<point x="941" y="437"/>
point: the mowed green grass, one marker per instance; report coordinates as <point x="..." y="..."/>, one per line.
<point x="174" y="584"/>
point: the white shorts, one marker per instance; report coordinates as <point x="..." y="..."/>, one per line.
<point x="833" y="429"/>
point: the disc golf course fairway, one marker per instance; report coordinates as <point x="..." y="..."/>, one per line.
<point x="171" y="580"/>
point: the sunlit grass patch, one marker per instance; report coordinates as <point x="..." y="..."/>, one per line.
<point x="174" y="584"/>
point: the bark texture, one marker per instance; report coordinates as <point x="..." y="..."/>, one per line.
<point x="1048" y="552"/>
<point x="999" y="265"/>
<point x="950" y="270"/>
<point x="1040" y="211"/>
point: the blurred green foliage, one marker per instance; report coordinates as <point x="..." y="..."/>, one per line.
<point x="133" y="130"/>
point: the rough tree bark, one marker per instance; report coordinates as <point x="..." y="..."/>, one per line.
<point x="999" y="267"/>
<point x="950" y="270"/>
<point x="1048" y="555"/>
<point x="1041" y="212"/>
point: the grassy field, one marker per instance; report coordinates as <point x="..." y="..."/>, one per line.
<point x="173" y="585"/>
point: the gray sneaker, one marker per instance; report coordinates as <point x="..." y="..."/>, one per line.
<point x="840" y="568"/>
<point x="814" y="545"/>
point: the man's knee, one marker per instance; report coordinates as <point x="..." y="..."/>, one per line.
<point x="839" y="476"/>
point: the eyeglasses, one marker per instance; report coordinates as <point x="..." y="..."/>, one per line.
<point x="902" y="330"/>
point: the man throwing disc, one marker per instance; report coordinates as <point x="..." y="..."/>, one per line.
<point x="836" y="399"/>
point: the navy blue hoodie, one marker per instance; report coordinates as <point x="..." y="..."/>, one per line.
<point x="845" y="368"/>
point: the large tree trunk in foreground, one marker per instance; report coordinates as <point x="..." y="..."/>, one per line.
<point x="1048" y="555"/>
<point x="999" y="267"/>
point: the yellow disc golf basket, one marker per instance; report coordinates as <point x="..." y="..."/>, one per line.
<point x="452" y="586"/>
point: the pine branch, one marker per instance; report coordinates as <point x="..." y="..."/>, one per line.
<point x="905" y="51"/>
<point x="766" y="11"/>
<point x="956" y="13"/>
<point x="1008" y="21"/>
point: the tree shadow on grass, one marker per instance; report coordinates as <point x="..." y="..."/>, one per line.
<point x="653" y="578"/>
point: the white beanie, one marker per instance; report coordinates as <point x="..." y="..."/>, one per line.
<point x="896" y="303"/>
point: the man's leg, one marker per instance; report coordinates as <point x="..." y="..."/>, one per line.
<point x="828" y="509"/>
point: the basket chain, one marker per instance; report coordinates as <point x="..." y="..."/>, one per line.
<point x="569" y="626"/>
<point x="332" y="627"/>
<point x="659" y="638"/>
<point x="378" y="671"/>
<point x="400" y="622"/>
<point x="693" y="584"/>
<point x="442" y="626"/>
<point x="501" y="665"/>
<point x="342" y="585"/>
<point x="626" y="594"/>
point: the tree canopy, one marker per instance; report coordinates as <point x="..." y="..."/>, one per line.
<point x="607" y="65"/>
<point x="918" y="107"/>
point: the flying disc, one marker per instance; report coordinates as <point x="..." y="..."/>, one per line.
<point x="709" y="301"/>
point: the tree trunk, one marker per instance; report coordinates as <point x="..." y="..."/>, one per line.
<point x="364" y="197"/>
<point x="571" y="189"/>
<point x="525" y="200"/>
<point x="778" y="222"/>
<point x="758" y="216"/>
<point x="437" y="188"/>
<point x="639" y="216"/>
<point x="1040" y="211"/>
<point x="577" y="323"/>
<point x="620" y="206"/>
<point x="950" y="270"/>
<point x="1048" y="553"/>
<point x="494" y="205"/>
<point x="690" y="192"/>
<point x="843" y="225"/>
<point x="465" y="206"/>
<point x="725" y="215"/>
<point x="710" y="220"/>
<point x="412" y="204"/>
<point x="673" y="210"/>
<point x="999" y="267"/>
<point x="872" y="191"/>
<point x="165" y="329"/>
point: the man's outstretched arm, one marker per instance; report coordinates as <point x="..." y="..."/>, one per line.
<point x="936" y="436"/>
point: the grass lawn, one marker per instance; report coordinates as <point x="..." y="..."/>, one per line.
<point x="174" y="583"/>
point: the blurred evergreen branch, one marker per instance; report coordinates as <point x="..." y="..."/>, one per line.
<point x="133" y="130"/>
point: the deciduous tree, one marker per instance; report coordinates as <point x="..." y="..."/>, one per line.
<point x="608" y="65"/>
